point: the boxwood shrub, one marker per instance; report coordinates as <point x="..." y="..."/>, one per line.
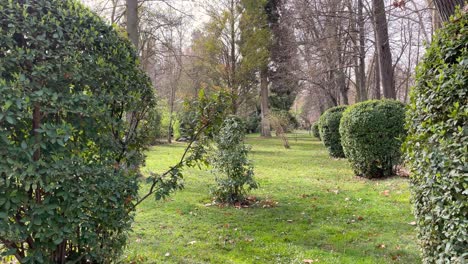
<point x="315" y="130"/>
<point x="371" y="134"/>
<point x="329" y="124"/>
<point x="436" y="146"/>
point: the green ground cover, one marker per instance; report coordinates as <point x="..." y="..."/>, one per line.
<point x="323" y="214"/>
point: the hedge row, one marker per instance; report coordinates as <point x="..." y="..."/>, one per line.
<point x="368" y="134"/>
<point x="436" y="146"/>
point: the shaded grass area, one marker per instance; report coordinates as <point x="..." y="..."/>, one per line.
<point x="324" y="213"/>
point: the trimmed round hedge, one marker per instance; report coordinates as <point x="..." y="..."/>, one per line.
<point x="371" y="134"/>
<point x="315" y="130"/>
<point x="436" y="146"/>
<point x="329" y="124"/>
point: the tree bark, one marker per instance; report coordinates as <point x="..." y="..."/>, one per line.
<point x="233" y="58"/>
<point x="446" y="8"/>
<point x="265" y="122"/>
<point x="171" y="111"/>
<point x="377" y="77"/>
<point x="362" y="54"/>
<point x="383" y="50"/>
<point x="132" y="31"/>
<point x="132" y="21"/>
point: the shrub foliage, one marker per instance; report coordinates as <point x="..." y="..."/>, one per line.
<point x="315" y="130"/>
<point x="371" y="134"/>
<point x="69" y="159"/>
<point x="329" y="124"/>
<point x="234" y="172"/>
<point x="436" y="146"/>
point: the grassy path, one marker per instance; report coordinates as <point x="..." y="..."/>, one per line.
<point x="324" y="214"/>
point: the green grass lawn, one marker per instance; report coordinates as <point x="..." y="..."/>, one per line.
<point x="323" y="213"/>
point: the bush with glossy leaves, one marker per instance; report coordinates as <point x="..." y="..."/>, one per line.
<point x="329" y="124"/>
<point x="234" y="172"/>
<point x="371" y="136"/>
<point x="436" y="147"/>
<point x="69" y="150"/>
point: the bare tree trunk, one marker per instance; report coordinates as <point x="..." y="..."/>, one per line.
<point x="383" y="49"/>
<point x="171" y="112"/>
<point x="446" y="8"/>
<point x="265" y="123"/>
<point x="377" y="77"/>
<point x="233" y="59"/>
<point x="362" y="54"/>
<point x="132" y="21"/>
<point x="132" y="31"/>
<point x="343" y="87"/>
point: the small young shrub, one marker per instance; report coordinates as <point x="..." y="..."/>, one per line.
<point x="436" y="147"/>
<point x="329" y="124"/>
<point x="371" y="134"/>
<point x="234" y="172"/>
<point x="315" y="130"/>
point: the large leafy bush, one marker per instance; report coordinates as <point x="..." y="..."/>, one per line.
<point x="71" y="97"/>
<point x="329" y="124"/>
<point x="436" y="146"/>
<point x="371" y="136"/>
<point x="233" y="170"/>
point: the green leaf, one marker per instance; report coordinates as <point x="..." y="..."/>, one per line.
<point x="57" y="241"/>
<point x="10" y="120"/>
<point x="7" y="105"/>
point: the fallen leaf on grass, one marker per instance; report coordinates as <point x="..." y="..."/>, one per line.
<point x="386" y="192"/>
<point x="360" y="218"/>
<point x="310" y="260"/>
<point x="251" y="199"/>
<point x="268" y="203"/>
<point x="381" y="246"/>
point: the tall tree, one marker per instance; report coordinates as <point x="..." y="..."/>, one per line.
<point x="283" y="61"/>
<point x="361" y="80"/>
<point x="382" y="43"/>
<point x="132" y="21"/>
<point x="255" y="49"/>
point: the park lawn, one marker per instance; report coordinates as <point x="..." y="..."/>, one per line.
<point x="323" y="213"/>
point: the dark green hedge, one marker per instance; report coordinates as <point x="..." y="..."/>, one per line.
<point x="437" y="145"/>
<point x="315" y="130"/>
<point x="329" y="124"/>
<point x="371" y="134"/>
<point x="69" y="158"/>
